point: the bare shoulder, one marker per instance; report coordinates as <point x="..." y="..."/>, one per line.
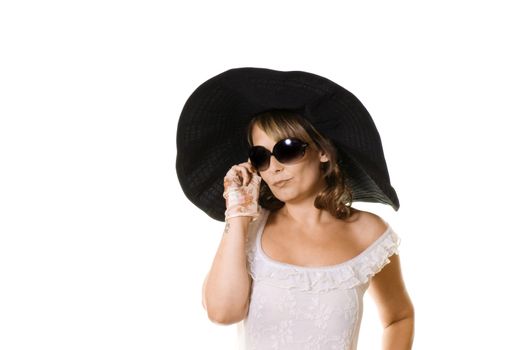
<point x="367" y="226"/>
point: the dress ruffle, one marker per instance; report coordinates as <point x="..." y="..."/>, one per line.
<point x="346" y="275"/>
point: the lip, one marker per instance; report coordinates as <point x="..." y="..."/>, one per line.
<point x="280" y="183"/>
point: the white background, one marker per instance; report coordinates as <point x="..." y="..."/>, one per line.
<point x="100" y="249"/>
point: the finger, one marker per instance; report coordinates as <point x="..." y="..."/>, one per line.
<point x="245" y="175"/>
<point x="232" y="173"/>
<point x="249" y="166"/>
<point x="256" y="179"/>
<point x="239" y="173"/>
<point x="251" y="174"/>
<point x="235" y="175"/>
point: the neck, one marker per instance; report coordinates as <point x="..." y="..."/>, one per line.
<point x="305" y="213"/>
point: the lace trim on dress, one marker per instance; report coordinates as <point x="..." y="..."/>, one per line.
<point x="346" y="275"/>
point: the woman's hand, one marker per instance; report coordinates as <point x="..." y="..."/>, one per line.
<point x="241" y="191"/>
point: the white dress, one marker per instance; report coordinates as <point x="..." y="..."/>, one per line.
<point x="307" y="308"/>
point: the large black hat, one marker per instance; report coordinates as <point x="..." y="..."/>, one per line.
<point x="211" y="133"/>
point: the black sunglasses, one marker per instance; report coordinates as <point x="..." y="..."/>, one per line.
<point x="286" y="151"/>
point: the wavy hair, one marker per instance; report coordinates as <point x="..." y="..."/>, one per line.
<point x="336" y="197"/>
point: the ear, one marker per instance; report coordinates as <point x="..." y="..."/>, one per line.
<point x="323" y="157"/>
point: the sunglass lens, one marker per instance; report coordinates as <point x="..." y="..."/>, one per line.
<point x="259" y="157"/>
<point x="289" y="150"/>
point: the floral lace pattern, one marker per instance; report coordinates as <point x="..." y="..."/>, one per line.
<point x="317" y="308"/>
<point x="241" y="200"/>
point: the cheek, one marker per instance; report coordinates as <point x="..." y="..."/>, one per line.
<point x="312" y="167"/>
<point x="312" y="173"/>
<point x="308" y="175"/>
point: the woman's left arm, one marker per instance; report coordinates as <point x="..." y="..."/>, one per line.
<point x="394" y="306"/>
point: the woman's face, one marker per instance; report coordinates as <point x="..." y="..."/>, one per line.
<point x="302" y="179"/>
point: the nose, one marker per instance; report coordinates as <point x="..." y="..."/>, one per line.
<point x="275" y="166"/>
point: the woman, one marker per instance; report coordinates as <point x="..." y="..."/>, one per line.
<point x="294" y="262"/>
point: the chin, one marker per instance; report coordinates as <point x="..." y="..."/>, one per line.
<point x="284" y="196"/>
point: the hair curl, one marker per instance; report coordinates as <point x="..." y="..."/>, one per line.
<point x="336" y="197"/>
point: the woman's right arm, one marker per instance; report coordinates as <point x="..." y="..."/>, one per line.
<point x="226" y="290"/>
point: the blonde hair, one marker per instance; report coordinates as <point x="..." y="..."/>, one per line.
<point x="336" y="197"/>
